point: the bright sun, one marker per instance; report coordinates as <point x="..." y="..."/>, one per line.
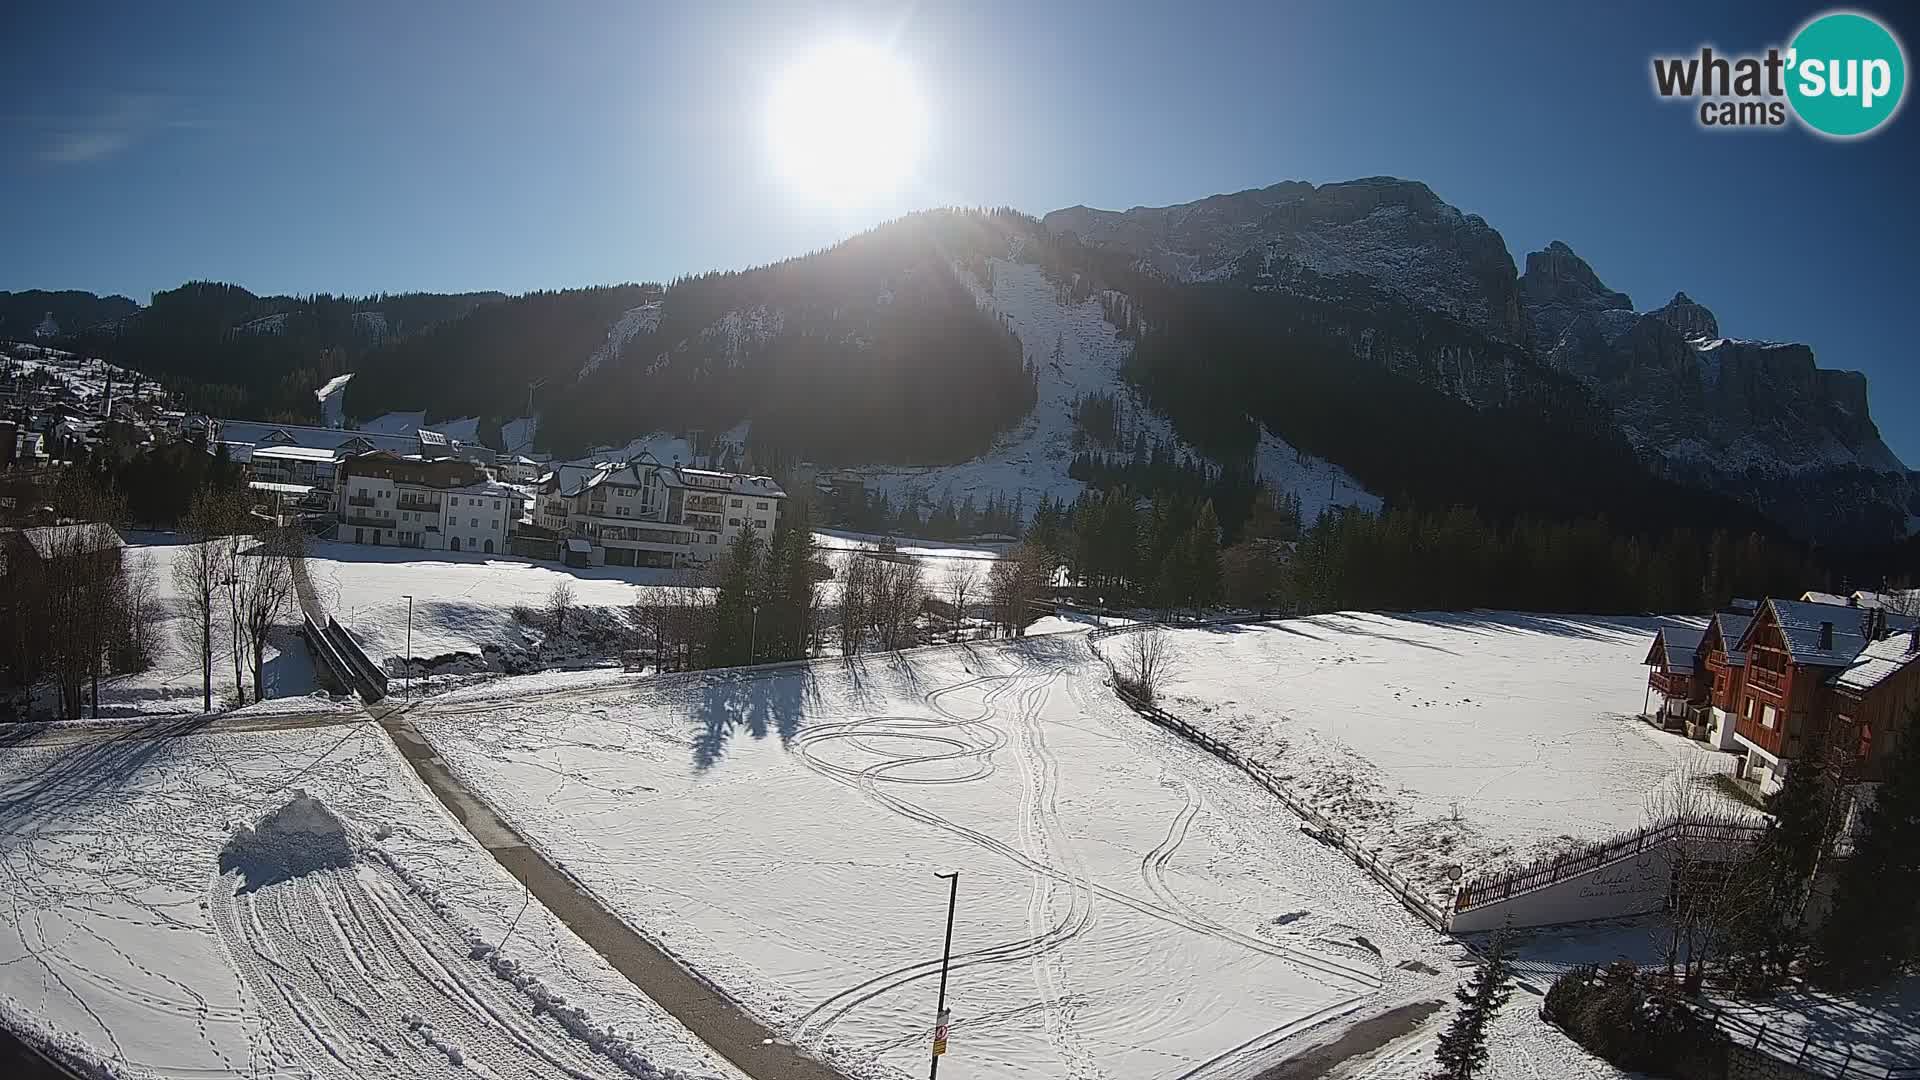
<point x="846" y="123"/>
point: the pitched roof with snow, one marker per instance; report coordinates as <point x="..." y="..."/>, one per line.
<point x="52" y="540"/>
<point x="1813" y="596"/>
<point x="1802" y="625"/>
<point x="1674" y="646"/>
<point x="1879" y="661"/>
<point x="1733" y="629"/>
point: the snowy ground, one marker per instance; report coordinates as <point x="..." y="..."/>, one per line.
<point x="462" y="603"/>
<point x="137" y="936"/>
<point x="1128" y="906"/>
<point x="1447" y="741"/>
<point x="85" y="376"/>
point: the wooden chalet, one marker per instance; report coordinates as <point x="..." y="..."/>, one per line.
<point x="1875" y="700"/>
<point x="1796" y="655"/>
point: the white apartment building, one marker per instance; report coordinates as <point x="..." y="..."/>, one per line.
<point x="442" y="505"/>
<point x="643" y="513"/>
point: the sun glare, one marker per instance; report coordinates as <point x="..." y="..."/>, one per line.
<point x="846" y="123"/>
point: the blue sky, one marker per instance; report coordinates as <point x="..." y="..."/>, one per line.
<point x="361" y="148"/>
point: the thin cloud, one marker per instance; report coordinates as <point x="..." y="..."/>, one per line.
<point x="122" y="121"/>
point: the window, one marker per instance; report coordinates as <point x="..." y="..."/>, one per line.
<point x="1769" y="716"/>
<point x="761" y="524"/>
<point x="496" y="504"/>
<point x="473" y="523"/>
<point x="733" y="522"/>
<point x="1749" y="713"/>
<point x="761" y="505"/>
<point x="739" y="503"/>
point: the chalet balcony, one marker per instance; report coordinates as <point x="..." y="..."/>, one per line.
<point x="709" y="522"/>
<point x="360" y="500"/>
<point x="428" y="507"/>
<point x="1671" y="684"/>
<point x="1766" y="679"/>
<point x="706" y="503"/>
<point x="368" y="520"/>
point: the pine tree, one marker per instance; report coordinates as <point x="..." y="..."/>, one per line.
<point x="1462" y="1049"/>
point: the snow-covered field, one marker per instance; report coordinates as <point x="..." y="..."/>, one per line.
<point x="462" y="603"/>
<point x="350" y="935"/>
<point x="1128" y="906"/>
<point x="1447" y="741"/>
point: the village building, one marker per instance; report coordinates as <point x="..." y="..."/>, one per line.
<point x="437" y="503"/>
<point x="643" y="513"/>
<point x="1796" y="654"/>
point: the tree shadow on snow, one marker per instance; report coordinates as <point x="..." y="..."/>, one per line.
<point x="771" y="702"/>
<point x="78" y="772"/>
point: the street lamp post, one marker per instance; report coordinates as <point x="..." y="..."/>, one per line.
<point x="946" y="960"/>
<point x="753" y="636"/>
<point x="409" y="645"/>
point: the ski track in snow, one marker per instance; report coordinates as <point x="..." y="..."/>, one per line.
<point x="1042" y="985"/>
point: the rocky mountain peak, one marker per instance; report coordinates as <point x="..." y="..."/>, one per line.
<point x="1559" y="287"/>
<point x="1396" y="234"/>
<point x="1689" y="318"/>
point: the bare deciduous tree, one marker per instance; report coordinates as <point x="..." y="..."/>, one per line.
<point x="961" y="585"/>
<point x="1012" y="585"/>
<point x="1147" y="659"/>
<point x="897" y="597"/>
<point x="559" y="605"/>
<point x="198" y="581"/>
<point x="264" y="590"/>
<point x="1712" y="885"/>
<point x="856" y="587"/>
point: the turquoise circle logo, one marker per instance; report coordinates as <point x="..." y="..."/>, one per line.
<point x="1846" y="74"/>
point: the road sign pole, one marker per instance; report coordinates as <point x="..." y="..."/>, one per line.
<point x="946" y="960"/>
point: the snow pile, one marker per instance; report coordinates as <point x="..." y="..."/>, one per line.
<point x="297" y="839"/>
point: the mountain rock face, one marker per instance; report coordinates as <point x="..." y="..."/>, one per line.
<point x="1756" y="420"/>
<point x="1430" y="293"/>
<point x="1559" y="287"/>
<point x="1395" y="234"/>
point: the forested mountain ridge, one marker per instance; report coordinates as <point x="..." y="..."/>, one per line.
<point x="230" y="352"/>
<point x="1294" y="329"/>
<point x="22" y="314"/>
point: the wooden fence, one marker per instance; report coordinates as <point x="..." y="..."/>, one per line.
<point x="1482" y="891"/>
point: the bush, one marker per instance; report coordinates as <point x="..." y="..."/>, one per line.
<point x="1611" y="1014"/>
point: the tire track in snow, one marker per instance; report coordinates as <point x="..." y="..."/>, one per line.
<point x="357" y="978"/>
<point x="955" y="738"/>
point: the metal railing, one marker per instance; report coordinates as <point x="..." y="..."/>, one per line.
<point x="359" y="500"/>
<point x="1801" y="1051"/>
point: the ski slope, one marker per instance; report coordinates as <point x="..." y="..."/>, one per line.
<point x="1129" y="907"/>
<point x="282" y="900"/>
<point x="1031" y="460"/>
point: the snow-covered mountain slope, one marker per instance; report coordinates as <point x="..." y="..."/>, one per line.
<point x="1397" y="234"/>
<point x="1077" y="353"/>
<point x="634" y="322"/>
